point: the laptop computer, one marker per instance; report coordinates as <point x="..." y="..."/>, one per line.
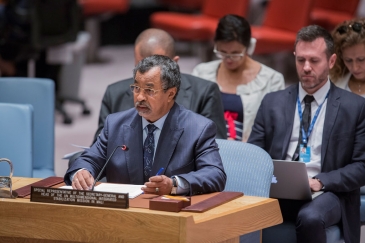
<point x="290" y="181"/>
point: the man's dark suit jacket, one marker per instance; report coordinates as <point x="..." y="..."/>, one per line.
<point x="196" y="94"/>
<point x="343" y="145"/>
<point x="186" y="148"/>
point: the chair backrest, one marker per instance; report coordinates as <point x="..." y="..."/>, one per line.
<point x="249" y="168"/>
<point x="189" y="5"/>
<point x="348" y="6"/>
<point x="54" y="22"/>
<point x="40" y="93"/>
<point x="30" y="26"/>
<point x="219" y="8"/>
<point x="94" y="7"/>
<point x="16" y="138"/>
<point x="288" y="14"/>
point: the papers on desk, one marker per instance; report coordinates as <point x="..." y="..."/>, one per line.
<point x="68" y="156"/>
<point x="133" y="190"/>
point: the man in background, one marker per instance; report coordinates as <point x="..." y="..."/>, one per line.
<point x="323" y="126"/>
<point x="196" y="94"/>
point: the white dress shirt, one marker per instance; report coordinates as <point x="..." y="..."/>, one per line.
<point x="315" y="138"/>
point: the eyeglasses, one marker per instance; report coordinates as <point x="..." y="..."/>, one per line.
<point x="355" y="27"/>
<point x="233" y="57"/>
<point x="150" y="92"/>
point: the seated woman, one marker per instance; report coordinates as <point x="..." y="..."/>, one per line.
<point x="243" y="82"/>
<point x="349" y="70"/>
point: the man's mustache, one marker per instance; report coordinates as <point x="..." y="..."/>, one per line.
<point x="142" y="103"/>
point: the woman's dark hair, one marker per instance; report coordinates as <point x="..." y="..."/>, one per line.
<point x="233" y="28"/>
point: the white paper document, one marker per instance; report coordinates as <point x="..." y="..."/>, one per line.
<point x="133" y="190"/>
<point x="68" y="156"/>
<point x="80" y="146"/>
<point x="66" y="187"/>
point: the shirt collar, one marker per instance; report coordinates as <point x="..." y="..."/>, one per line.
<point x="319" y="95"/>
<point x="159" y="123"/>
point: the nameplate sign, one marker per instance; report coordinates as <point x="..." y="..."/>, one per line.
<point x="79" y="197"/>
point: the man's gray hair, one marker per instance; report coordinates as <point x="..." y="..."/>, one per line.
<point x="169" y="71"/>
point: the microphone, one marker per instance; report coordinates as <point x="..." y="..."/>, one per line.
<point x="124" y="148"/>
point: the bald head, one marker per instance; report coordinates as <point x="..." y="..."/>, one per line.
<point x="154" y="42"/>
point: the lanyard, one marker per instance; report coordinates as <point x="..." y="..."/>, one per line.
<point x="304" y="135"/>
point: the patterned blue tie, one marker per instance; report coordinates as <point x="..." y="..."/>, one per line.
<point x="148" y="151"/>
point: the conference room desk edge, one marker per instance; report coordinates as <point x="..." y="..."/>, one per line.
<point x="25" y="221"/>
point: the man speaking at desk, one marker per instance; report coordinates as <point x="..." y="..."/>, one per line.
<point x="157" y="133"/>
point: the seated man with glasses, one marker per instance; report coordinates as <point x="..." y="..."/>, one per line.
<point x="159" y="137"/>
<point x="243" y="82"/>
<point x="148" y="91"/>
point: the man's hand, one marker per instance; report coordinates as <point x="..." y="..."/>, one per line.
<point x="315" y="184"/>
<point x="82" y="180"/>
<point x="160" y="185"/>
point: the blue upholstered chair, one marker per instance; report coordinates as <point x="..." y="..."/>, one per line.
<point x="249" y="170"/>
<point x="362" y="213"/>
<point x="16" y="140"/>
<point x="40" y="93"/>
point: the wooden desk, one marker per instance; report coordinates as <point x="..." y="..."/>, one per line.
<point x="25" y="221"/>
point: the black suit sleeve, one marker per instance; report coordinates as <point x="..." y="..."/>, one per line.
<point x="212" y="108"/>
<point x="117" y="97"/>
<point x="351" y="143"/>
<point x="257" y="136"/>
<point x="105" y="110"/>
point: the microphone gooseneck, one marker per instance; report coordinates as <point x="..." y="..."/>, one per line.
<point x="124" y="147"/>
